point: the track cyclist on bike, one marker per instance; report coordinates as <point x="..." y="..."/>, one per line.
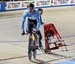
<point x="33" y="18"/>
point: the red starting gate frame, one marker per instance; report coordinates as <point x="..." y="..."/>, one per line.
<point x="53" y="32"/>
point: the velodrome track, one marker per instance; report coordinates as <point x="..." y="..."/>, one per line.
<point x="13" y="46"/>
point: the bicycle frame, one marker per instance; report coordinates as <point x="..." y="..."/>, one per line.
<point x="32" y="45"/>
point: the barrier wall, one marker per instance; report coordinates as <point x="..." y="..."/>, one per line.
<point x="2" y="6"/>
<point x="19" y="5"/>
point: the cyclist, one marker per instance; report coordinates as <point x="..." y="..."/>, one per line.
<point x="33" y="22"/>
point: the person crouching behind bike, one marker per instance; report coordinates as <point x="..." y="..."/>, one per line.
<point x="33" y="22"/>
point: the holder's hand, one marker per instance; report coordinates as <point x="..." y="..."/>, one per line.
<point x="42" y="23"/>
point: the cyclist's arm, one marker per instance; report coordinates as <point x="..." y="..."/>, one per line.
<point x="38" y="21"/>
<point x="23" y="20"/>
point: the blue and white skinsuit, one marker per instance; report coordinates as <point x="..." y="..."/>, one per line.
<point x="33" y="16"/>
